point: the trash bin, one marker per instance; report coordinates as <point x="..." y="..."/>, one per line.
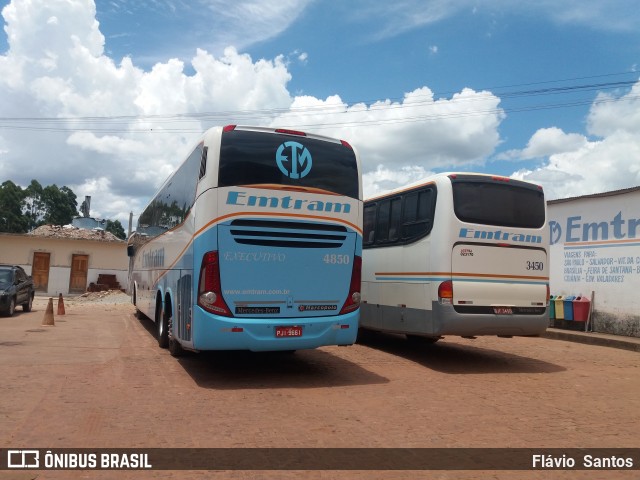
<point x="559" y="307"/>
<point x="568" y="307"/>
<point x="581" y="306"/>
<point x="552" y="307"/>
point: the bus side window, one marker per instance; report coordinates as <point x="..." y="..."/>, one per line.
<point x="369" y="223"/>
<point x="394" y="221"/>
<point x="173" y="202"/>
<point x="417" y="216"/>
<point x="203" y="163"/>
<point x="382" y="226"/>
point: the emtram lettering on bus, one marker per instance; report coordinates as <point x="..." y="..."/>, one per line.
<point x="287" y="203"/>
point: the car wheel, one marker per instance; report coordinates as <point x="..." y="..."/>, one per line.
<point x="26" y="307"/>
<point x="12" y="307"/>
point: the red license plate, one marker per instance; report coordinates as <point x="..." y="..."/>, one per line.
<point x="503" y="310"/>
<point x="283" y="332"/>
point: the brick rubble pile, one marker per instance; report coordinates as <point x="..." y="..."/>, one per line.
<point x="68" y="231"/>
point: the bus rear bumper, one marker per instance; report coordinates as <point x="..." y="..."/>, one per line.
<point x="212" y="332"/>
<point x="446" y="321"/>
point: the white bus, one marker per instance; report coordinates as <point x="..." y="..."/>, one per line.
<point x="456" y="254"/>
<point x="254" y="243"/>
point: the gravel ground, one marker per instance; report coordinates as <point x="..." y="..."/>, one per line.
<point x="114" y="297"/>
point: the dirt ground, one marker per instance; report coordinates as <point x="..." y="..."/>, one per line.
<point x="98" y="379"/>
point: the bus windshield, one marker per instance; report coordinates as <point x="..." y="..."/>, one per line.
<point x="509" y="204"/>
<point x="256" y="158"/>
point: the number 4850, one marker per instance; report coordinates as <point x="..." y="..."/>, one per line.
<point x="334" y="259"/>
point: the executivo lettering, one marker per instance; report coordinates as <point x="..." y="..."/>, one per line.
<point x="498" y="235"/>
<point x="287" y="203"/>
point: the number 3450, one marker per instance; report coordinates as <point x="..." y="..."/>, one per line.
<point x="535" y="265"/>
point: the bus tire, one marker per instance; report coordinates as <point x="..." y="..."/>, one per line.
<point x="175" y="349"/>
<point x="162" y="330"/>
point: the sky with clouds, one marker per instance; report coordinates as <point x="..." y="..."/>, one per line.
<point x="107" y="96"/>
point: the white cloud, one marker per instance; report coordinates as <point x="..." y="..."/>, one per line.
<point x="419" y="132"/>
<point x="242" y="23"/>
<point x="610" y="114"/>
<point x="114" y="130"/>
<point x="602" y="166"/>
<point x="62" y="73"/>
<point x="401" y="16"/>
<point x="610" y="163"/>
<point x="545" y="142"/>
<point x="384" y="179"/>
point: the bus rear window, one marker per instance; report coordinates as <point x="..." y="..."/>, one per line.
<point x="255" y="158"/>
<point x="505" y="204"/>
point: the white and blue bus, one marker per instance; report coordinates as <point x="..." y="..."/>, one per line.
<point x="254" y="243"/>
<point x="456" y="254"/>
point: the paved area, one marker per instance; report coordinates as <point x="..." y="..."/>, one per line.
<point x="98" y="379"/>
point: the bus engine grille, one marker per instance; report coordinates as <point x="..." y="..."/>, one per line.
<point x="270" y="233"/>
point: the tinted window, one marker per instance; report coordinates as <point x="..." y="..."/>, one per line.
<point x="369" y="223"/>
<point x="253" y="158"/>
<point x="394" y="219"/>
<point x="173" y="202"/>
<point x="21" y="275"/>
<point x="6" y="276"/>
<point x="382" y="227"/>
<point x="512" y="204"/>
<point x="399" y="220"/>
<point x="417" y="217"/>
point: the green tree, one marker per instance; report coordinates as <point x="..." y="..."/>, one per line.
<point x="116" y="228"/>
<point x="60" y="205"/>
<point x="11" y="202"/>
<point x="34" y="207"/>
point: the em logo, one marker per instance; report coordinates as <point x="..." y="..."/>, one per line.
<point x="300" y="157"/>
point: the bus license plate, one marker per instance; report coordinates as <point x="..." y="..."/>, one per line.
<point x="283" y="332"/>
<point x="503" y="310"/>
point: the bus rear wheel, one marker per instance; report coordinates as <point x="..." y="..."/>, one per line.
<point x="175" y="349"/>
<point x="162" y="330"/>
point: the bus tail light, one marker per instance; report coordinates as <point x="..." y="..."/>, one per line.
<point x="445" y="293"/>
<point x="353" y="299"/>
<point x="291" y="132"/>
<point x="209" y="287"/>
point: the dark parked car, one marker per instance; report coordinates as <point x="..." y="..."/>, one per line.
<point x="16" y="288"/>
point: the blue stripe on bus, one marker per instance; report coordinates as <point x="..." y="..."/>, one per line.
<point x="459" y="279"/>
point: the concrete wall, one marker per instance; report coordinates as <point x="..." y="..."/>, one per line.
<point x="595" y="247"/>
<point x="104" y="257"/>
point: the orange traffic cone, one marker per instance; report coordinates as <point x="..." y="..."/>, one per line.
<point x="48" y="321"/>
<point x="60" y="305"/>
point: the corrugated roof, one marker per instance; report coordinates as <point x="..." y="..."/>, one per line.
<point x="596" y="195"/>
